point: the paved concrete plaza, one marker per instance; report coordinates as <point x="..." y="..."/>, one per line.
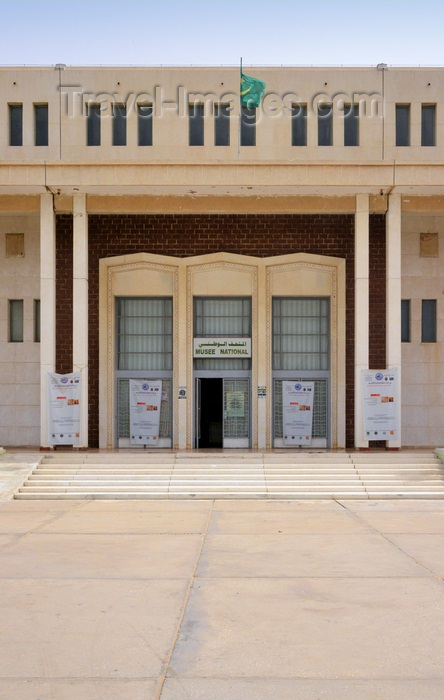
<point x="209" y="600"/>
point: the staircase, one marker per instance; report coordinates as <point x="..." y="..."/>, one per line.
<point x="279" y="475"/>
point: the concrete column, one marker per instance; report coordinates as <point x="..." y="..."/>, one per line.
<point x="393" y="297"/>
<point x="80" y="308"/>
<point x="261" y="360"/>
<point x="361" y="308"/>
<point x="47" y="308"/>
<point x="182" y="358"/>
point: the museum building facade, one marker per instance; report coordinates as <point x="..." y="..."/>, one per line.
<point x="157" y="229"/>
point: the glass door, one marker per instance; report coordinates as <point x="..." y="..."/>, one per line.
<point x="221" y="413"/>
<point x="197" y="411"/>
<point x="236" y="416"/>
<point x="144" y="350"/>
<point x="301" y="352"/>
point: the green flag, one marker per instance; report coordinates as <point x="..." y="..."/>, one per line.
<point x="251" y="91"/>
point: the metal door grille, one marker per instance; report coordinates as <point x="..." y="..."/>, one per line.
<point x="236" y="408"/>
<point x="319" y="406"/>
<point x="123" y="408"/>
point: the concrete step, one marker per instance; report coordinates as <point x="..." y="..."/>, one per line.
<point x="313" y="478"/>
<point x="294" y="475"/>
<point x="402" y="476"/>
<point x="280" y="495"/>
<point x="231" y="495"/>
<point x="199" y="475"/>
<point x="223" y="486"/>
<point x="311" y="468"/>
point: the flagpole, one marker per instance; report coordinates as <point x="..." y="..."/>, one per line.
<point x="240" y="112"/>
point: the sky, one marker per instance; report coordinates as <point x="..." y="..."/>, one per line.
<point x="221" y="32"/>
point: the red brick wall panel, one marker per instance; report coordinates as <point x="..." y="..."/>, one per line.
<point x="189" y="235"/>
<point x="64" y="294"/>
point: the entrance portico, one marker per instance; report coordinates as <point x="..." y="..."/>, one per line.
<point x="211" y="277"/>
<point x="320" y="220"/>
<point x="297" y="275"/>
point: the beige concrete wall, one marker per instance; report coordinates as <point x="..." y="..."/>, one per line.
<point x="19" y="362"/>
<point x="422" y="363"/>
<point x="171" y="176"/>
<point x="29" y="86"/>
<point x="415" y="87"/>
<point x="422" y="377"/>
<point x="172" y="88"/>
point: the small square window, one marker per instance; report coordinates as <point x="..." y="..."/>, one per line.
<point x="15" y="245"/>
<point x="428" y="245"/>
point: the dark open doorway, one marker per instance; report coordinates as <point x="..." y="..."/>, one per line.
<point x="211" y="413"/>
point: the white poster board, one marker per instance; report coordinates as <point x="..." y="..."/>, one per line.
<point x="297" y="412"/>
<point x="145" y="403"/>
<point x="380" y="404"/>
<point x="64" y="408"/>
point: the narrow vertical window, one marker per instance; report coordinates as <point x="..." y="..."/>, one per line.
<point x="351" y="125"/>
<point x="196" y="125"/>
<point x="301" y="333"/>
<point x="16" y="320"/>
<point x="325" y="125"/>
<point x="299" y="125"/>
<point x="41" y="125"/>
<point x="119" y="125"/>
<point x="144" y="333"/>
<point x="248" y="126"/>
<point x="428" y="125"/>
<point x="145" y="124"/>
<point x="93" y="125"/>
<point x="16" y="125"/>
<point x="403" y="125"/>
<point x="36" y="320"/>
<point x="428" y="321"/>
<point x="405" y="320"/>
<point x="221" y="124"/>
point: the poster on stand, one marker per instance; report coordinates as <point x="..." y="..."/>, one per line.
<point x="297" y="412"/>
<point x="64" y="408"/>
<point x="380" y="404"/>
<point x="145" y="403"/>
